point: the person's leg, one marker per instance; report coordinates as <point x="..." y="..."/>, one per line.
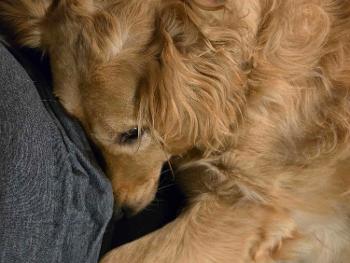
<point x="46" y="150"/>
<point x="54" y="200"/>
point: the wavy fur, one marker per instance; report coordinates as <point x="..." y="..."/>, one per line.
<point x="250" y="99"/>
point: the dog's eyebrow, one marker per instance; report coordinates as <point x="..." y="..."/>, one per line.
<point x="112" y="132"/>
<point x="100" y="138"/>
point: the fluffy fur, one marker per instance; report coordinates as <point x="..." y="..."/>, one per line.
<point x="248" y="99"/>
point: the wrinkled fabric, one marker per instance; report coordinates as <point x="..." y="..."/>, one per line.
<point x="55" y="201"/>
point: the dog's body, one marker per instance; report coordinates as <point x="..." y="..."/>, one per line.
<point x="254" y="97"/>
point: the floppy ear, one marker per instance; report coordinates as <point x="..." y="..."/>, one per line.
<point x="23" y="19"/>
<point x="195" y="96"/>
<point x="209" y="4"/>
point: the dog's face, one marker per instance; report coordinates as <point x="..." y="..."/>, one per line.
<point x="143" y="79"/>
<point x="109" y="113"/>
<point x="100" y="61"/>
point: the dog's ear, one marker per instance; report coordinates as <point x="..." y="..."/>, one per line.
<point x="24" y="19"/>
<point x="194" y="97"/>
<point x="209" y="4"/>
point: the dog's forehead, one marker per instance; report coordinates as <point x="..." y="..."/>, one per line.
<point x="125" y="29"/>
<point x="110" y="108"/>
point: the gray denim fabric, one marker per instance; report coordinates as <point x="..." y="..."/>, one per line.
<point x="55" y="201"/>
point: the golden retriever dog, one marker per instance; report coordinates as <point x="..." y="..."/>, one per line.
<point x="248" y="99"/>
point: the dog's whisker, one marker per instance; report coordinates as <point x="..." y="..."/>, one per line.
<point x="171" y="169"/>
<point x="165" y="172"/>
<point x="166" y="186"/>
<point x="157" y="202"/>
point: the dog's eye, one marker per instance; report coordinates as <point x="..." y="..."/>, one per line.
<point x="130" y="136"/>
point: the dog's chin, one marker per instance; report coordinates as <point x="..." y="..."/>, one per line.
<point x="132" y="209"/>
<point x="132" y="200"/>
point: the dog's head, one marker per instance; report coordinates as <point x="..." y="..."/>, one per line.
<point x="147" y="79"/>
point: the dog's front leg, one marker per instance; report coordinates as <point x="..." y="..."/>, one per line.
<point x="210" y="230"/>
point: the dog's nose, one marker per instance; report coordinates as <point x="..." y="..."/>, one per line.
<point x="122" y="211"/>
<point x="117" y="212"/>
<point x="127" y="211"/>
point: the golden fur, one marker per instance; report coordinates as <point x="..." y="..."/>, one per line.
<point x="249" y="100"/>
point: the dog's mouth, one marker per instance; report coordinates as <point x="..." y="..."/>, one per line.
<point x="136" y="200"/>
<point x="167" y="204"/>
<point x="165" y="193"/>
